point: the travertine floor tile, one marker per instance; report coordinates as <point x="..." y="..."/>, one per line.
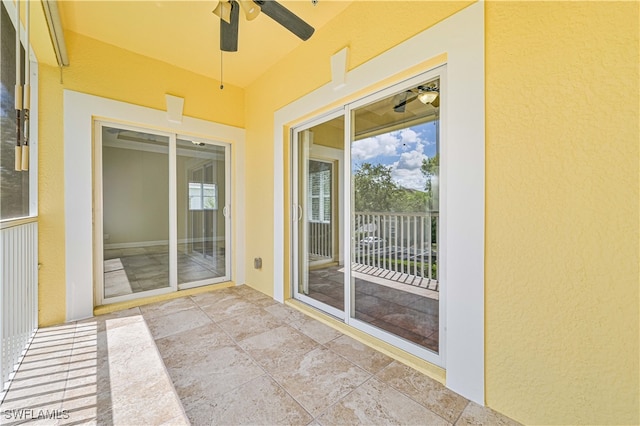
<point x="233" y="356"/>
<point x="112" y="320"/>
<point x="212" y="374"/>
<point x="424" y="390"/>
<point x="176" y="322"/>
<point x="318" y="331"/>
<point x="214" y="296"/>
<point x="259" y="402"/>
<point x="375" y="403"/>
<point x="184" y="349"/>
<point x="474" y="414"/>
<point x="254" y="296"/>
<point x="229" y="307"/>
<point x="319" y="378"/>
<point x="170" y="306"/>
<point x="360" y="354"/>
<point x="244" y="326"/>
<point x="285" y="313"/>
<point x="274" y="349"/>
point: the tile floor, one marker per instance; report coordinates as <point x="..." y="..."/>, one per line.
<point x="132" y="270"/>
<point x="231" y="357"/>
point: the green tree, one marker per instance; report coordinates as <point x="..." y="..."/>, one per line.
<point x="430" y="168"/>
<point x="375" y="191"/>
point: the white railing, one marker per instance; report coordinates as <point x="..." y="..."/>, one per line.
<point x="18" y="291"/>
<point x="399" y="246"/>
<point x="320" y="240"/>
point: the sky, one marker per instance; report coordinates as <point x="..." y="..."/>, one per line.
<point x="403" y="150"/>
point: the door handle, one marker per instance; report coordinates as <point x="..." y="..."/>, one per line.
<point x="299" y="212"/>
<point x="225" y="211"/>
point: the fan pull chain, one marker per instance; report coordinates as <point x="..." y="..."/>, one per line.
<point x="221" y="85"/>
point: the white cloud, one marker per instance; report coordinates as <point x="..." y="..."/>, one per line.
<point x="406" y="171"/>
<point x="406" y="146"/>
<point x="408" y="136"/>
<point x="409" y="178"/>
<point x="386" y="145"/>
<point x="412" y="159"/>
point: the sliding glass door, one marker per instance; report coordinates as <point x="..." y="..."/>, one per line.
<point x="161" y="212"/>
<point x="319" y="269"/>
<point x="389" y="220"/>
<point x="135" y="177"/>
<point x="394" y="283"/>
<point x="202" y="212"/>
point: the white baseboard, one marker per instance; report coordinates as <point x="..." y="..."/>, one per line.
<point x="138" y="244"/>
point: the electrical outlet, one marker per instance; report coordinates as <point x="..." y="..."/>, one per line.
<point x="257" y="263"/>
<point x="106" y="237"/>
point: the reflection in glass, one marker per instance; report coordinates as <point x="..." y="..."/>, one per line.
<point x="14" y="185"/>
<point x="321" y="275"/>
<point x="201" y="220"/>
<point x="135" y="178"/>
<point x="394" y="220"/>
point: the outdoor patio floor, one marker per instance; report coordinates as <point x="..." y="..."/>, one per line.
<point x="408" y="311"/>
<point x="231" y="356"/>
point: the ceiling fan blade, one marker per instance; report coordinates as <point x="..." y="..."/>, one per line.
<point x="229" y="31"/>
<point x="286" y="18"/>
<point x="402" y="99"/>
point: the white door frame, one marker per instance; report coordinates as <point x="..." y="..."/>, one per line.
<point x="437" y="358"/>
<point x="298" y="214"/>
<point x="98" y="249"/>
<point x="98" y="220"/>
<point x="345" y="201"/>
<point x="457" y="41"/>
<point x="226" y="211"/>
<point x="80" y="111"/>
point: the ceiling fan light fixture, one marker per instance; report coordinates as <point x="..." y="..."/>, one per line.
<point x="427" y="96"/>
<point x="251" y="10"/>
<point x="223" y="11"/>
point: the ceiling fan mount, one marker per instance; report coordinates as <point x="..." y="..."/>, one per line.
<point x="229" y="13"/>
<point x="428" y="94"/>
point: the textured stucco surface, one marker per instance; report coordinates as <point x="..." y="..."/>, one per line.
<point x="562" y="212"/>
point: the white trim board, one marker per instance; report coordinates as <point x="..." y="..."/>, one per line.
<point x="79" y="112"/>
<point x="461" y="37"/>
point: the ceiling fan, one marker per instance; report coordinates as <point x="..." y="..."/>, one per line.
<point x="427" y="94"/>
<point x="229" y="13"/>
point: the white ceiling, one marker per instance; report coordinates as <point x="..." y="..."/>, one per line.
<point x="186" y="34"/>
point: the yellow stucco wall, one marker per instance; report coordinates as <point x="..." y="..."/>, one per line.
<point x="562" y="278"/>
<point x="105" y="70"/>
<point x="562" y="87"/>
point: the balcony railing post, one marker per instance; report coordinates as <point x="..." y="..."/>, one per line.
<point x="18" y="290"/>
<point x="397" y="246"/>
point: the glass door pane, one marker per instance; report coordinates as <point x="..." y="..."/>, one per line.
<point x="320" y="264"/>
<point x="201" y="198"/>
<point x="135" y="178"/>
<point x="394" y="214"/>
